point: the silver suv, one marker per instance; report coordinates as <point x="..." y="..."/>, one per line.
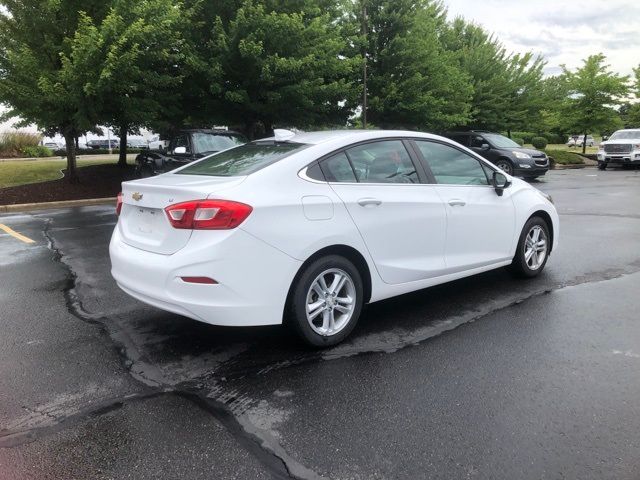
<point x="622" y="148"/>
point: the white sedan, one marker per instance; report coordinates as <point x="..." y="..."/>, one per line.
<point x="307" y="228"/>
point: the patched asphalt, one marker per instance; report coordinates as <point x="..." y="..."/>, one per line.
<point x="486" y="377"/>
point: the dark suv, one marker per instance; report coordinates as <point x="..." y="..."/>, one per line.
<point x="504" y="153"/>
<point x="185" y="147"/>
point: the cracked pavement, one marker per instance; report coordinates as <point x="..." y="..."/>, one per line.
<point x="486" y="377"/>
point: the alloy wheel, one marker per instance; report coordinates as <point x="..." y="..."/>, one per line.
<point x="331" y="300"/>
<point x="505" y="167"/>
<point x="535" y="247"/>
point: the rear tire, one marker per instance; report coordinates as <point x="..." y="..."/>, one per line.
<point x="326" y="301"/>
<point x="533" y="248"/>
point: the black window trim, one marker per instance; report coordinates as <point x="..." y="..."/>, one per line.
<point x="472" y="154"/>
<point x="423" y="176"/>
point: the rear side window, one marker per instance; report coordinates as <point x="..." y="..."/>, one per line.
<point x="451" y="166"/>
<point x="243" y="160"/>
<point x="338" y="169"/>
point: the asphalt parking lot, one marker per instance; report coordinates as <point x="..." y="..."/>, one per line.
<point x="487" y="377"/>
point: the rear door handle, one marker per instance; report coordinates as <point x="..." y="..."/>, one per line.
<point x="454" y="202"/>
<point x="365" y="202"/>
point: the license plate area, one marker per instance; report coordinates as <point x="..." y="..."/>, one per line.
<point x="146" y="220"/>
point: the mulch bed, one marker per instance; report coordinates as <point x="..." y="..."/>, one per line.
<point x="96" y="181"/>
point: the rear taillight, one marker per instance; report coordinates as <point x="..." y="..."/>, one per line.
<point x="207" y="214"/>
<point x="119" y="204"/>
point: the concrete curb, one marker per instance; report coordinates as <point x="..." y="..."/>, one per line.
<point x="25" y="207"/>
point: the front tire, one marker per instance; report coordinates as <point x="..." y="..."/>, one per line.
<point x="326" y="301"/>
<point x="533" y="248"/>
<point x="505" y="165"/>
<point x="602" y="166"/>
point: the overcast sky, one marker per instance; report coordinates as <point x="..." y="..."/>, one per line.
<point x="564" y="31"/>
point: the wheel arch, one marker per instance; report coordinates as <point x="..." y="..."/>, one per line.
<point x="345" y="251"/>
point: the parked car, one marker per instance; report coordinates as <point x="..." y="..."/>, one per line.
<point x="622" y="148"/>
<point x="577" y="141"/>
<point x="307" y="228"/>
<point x="53" y="146"/>
<point x="103" y="144"/>
<point x="504" y="153"/>
<point x="137" y="143"/>
<point x="185" y="147"/>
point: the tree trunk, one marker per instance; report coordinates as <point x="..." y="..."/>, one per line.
<point x="250" y="129"/>
<point x="122" y="159"/>
<point x="77" y="144"/>
<point x="268" y="128"/>
<point x="509" y="133"/>
<point x="70" y="144"/>
<point x="584" y="144"/>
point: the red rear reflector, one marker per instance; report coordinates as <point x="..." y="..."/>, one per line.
<point x="207" y="214"/>
<point x="119" y="204"/>
<point x="205" y="280"/>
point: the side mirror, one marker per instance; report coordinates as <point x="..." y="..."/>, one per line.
<point x="500" y="182"/>
<point x="485" y="146"/>
<point x="180" y="150"/>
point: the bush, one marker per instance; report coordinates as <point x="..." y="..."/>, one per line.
<point x="554" y="138"/>
<point x="36" y="151"/>
<point x="518" y="140"/>
<point x="565" y="158"/>
<point x="539" y="142"/>
<point x="12" y="143"/>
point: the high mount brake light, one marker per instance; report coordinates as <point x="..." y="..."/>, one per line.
<point x="119" y="204"/>
<point x="207" y="214"/>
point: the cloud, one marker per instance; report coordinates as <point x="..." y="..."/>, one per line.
<point x="563" y="32"/>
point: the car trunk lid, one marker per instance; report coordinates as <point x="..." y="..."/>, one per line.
<point x="143" y="222"/>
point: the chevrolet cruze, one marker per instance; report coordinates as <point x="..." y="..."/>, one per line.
<point x="307" y="228"/>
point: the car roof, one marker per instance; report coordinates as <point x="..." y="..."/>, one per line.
<point x="326" y="136"/>
<point x="209" y="130"/>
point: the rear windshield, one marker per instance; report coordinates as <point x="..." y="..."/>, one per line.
<point x="242" y="160"/>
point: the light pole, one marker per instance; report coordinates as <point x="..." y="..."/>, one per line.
<point x="364" y="65"/>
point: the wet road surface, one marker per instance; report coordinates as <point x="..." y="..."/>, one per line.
<point x="486" y="377"/>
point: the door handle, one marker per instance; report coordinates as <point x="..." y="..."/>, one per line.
<point x="454" y="202"/>
<point x="365" y="202"/>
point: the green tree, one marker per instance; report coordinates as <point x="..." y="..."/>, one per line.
<point x="630" y="111"/>
<point x="37" y="73"/>
<point x="413" y="81"/>
<point x="507" y="89"/>
<point x="279" y="63"/>
<point x="131" y="63"/>
<point x="593" y="93"/>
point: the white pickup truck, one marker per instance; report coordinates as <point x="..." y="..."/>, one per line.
<point x="621" y="148"/>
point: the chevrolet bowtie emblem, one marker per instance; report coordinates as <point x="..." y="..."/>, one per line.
<point x="137" y="196"/>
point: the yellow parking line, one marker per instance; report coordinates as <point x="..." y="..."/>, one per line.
<point x="15" y="234"/>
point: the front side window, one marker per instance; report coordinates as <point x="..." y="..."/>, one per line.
<point x="385" y="161"/>
<point x="477" y="141"/>
<point x="451" y="166"/>
<point x="180" y="141"/>
<point x="242" y="160"/>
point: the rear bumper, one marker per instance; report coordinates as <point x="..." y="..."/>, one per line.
<point x="253" y="278"/>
